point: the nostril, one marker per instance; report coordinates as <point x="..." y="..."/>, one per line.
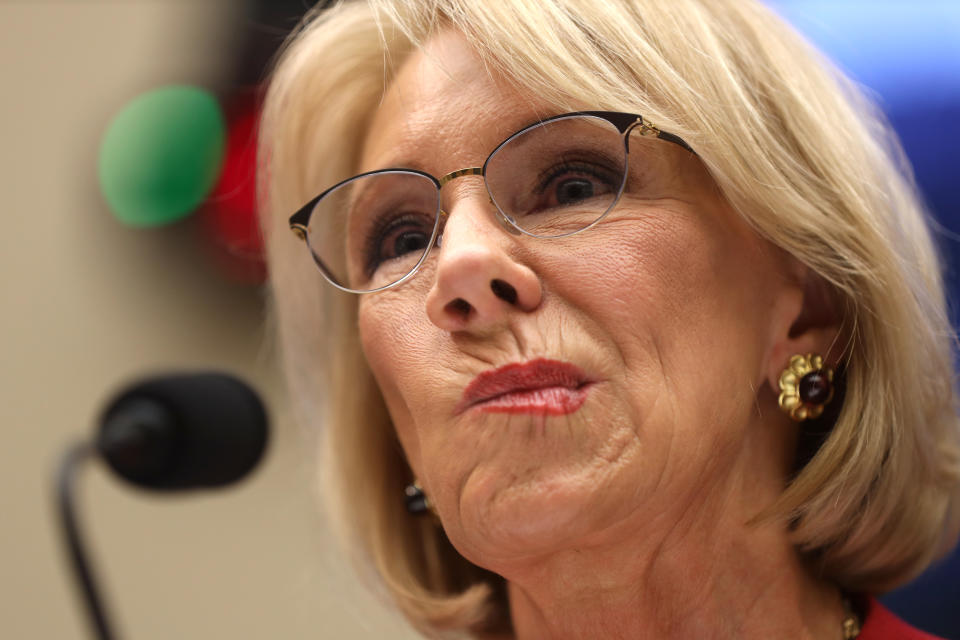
<point x="459" y="307"/>
<point x="504" y="290"/>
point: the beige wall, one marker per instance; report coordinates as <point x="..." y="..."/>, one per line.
<point x="88" y="304"/>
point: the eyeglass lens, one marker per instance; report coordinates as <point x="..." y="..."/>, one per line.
<point x="550" y="180"/>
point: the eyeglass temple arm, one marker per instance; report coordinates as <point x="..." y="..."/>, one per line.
<point x="626" y="122"/>
<point x="299" y="220"/>
<point x="651" y="130"/>
<point x="669" y="137"/>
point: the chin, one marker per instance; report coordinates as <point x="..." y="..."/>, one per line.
<point x="534" y="489"/>
<point x="547" y="510"/>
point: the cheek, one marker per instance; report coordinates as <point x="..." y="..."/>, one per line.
<point x="683" y="297"/>
<point x="394" y="345"/>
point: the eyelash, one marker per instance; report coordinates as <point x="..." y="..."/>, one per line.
<point x="576" y="165"/>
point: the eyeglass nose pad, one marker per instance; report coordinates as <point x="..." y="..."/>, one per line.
<point x="504" y="220"/>
<point x="442" y="226"/>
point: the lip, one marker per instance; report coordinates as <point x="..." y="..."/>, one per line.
<point x="541" y="386"/>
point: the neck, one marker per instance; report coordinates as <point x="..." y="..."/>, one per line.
<point x="708" y="574"/>
<point x="721" y="590"/>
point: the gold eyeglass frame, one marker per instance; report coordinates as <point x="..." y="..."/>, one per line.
<point x="626" y="123"/>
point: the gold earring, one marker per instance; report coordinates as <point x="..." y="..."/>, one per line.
<point x="806" y="386"/>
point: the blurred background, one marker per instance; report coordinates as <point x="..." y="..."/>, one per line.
<point x="105" y="285"/>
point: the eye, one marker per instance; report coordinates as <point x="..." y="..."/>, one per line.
<point x="401" y="236"/>
<point x="572" y="184"/>
<point x="570" y="190"/>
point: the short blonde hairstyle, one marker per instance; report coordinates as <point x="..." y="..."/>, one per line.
<point x="794" y="148"/>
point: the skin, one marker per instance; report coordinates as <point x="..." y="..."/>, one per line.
<point x="628" y="517"/>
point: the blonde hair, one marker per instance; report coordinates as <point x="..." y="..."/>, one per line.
<point x="792" y="145"/>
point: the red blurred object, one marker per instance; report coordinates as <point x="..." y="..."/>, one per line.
<point x="230" y="213"/>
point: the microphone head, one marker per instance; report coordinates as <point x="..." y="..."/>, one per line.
<point x="184" y="431"/>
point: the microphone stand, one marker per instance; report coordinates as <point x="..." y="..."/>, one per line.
<point x="186" y="431"/>
<point x="82" y="571"/>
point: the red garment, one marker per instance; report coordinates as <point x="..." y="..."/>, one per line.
<point x="881" y="624"/>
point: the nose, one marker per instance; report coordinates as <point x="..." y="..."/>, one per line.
<point x="477" y="283"/>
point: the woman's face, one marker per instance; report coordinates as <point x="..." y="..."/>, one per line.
<point x="636" y="352"/>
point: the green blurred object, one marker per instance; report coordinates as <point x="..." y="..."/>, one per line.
<point x="161" y="155"/>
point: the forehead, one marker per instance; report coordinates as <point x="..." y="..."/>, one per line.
<point x="444" y="108"/>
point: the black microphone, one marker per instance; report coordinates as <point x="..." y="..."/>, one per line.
<point x="176" y="432"/>
<point x="184" y="431"/>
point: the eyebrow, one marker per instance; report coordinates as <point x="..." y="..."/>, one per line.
<point x="417" y="166"/>
<point x="398" y="163"/>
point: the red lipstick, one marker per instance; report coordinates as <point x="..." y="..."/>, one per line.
<point x="543" y="387"/>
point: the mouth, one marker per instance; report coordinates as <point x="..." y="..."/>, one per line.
<point x="540" y="387"/>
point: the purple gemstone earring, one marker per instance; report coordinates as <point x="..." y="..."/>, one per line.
<point x="806" y="386"/>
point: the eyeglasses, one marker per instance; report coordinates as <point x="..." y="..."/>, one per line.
<point x="552" y="179"/>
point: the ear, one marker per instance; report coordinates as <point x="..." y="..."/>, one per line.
<point x="805" y="319"/>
